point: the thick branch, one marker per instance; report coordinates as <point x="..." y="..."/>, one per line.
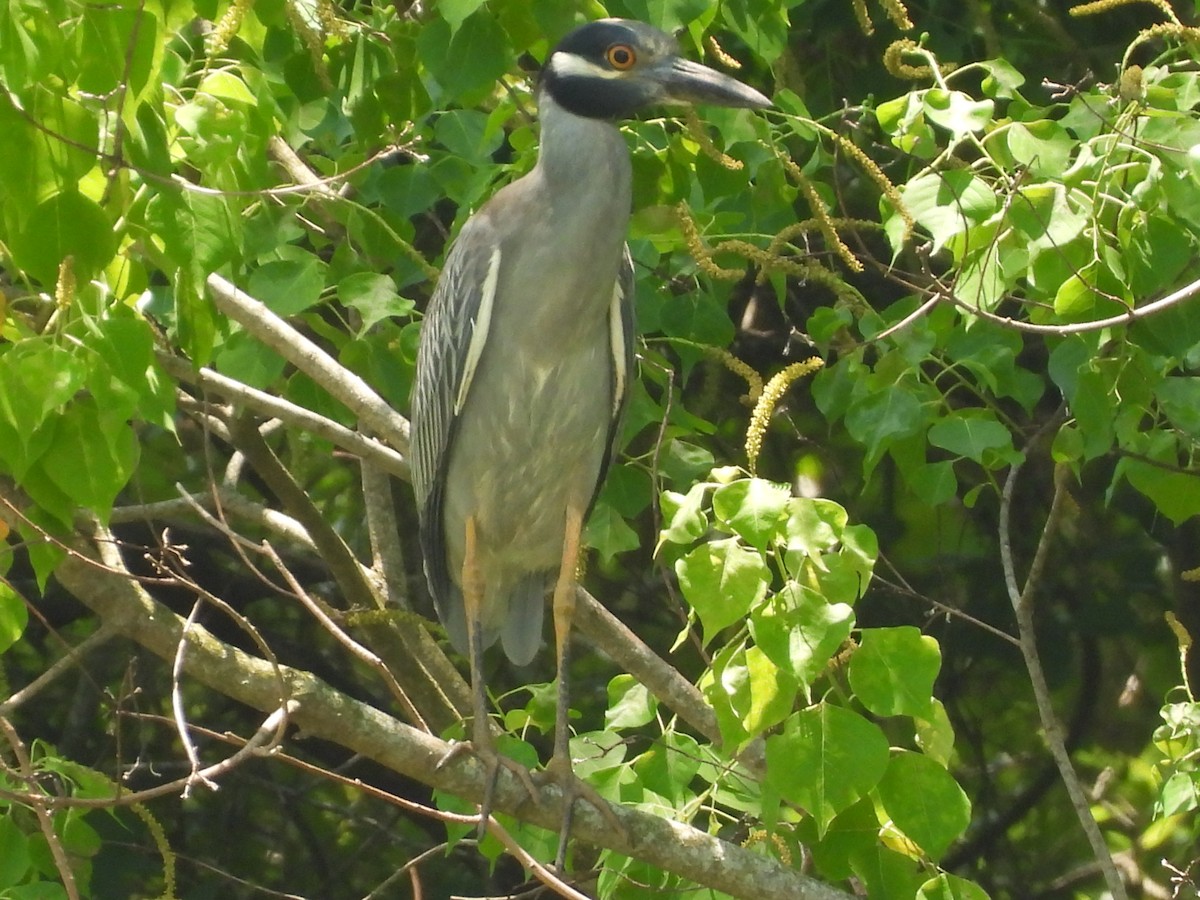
<point x="277" y="408"/>
<point x="322" y="712"/>
<point x="350" y="390"/>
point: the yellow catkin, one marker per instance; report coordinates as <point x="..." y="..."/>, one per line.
<point x="881" y="180"/>
<point x="226" y="28"/>
<point x="893" y="61"/>
<point x="863" y="16"/>
<point x="718" y="53"/>
<point x="697" y="130"/>
<point x="824" y="220"/>
<point x="1191" y="575"/>
<point x="1102" y="6"/>
<point x="164" y="848"/>
<point x="328" y="17"/>
<point x="786" y="235"/>
<point x="771" y="260"/>
<point x="700" y="253"/>
<point x="738" y="366"/>
<point x="1163" y="30"/>
<point x="65" y="287"/>
<point x="760" y="836"/>
<point x="765" y="408"/>
<point x="1184" y="639"/>
<point x="310" y="29"/>
<point x="898" y="13"/>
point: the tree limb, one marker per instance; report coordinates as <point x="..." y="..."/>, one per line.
<point x="95" y="575"/>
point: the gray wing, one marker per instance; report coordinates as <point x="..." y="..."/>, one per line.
<point x="622" y="334"/>
<point x="452" y="335"/>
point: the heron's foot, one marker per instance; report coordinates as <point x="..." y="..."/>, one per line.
<point x="492" y="762"/>
<point x="558" y="771"/>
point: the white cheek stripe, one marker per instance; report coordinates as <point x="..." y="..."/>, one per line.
<point x="569" y="64"/>
<point x="616" y="331"/>
<point x="479" y="329"/>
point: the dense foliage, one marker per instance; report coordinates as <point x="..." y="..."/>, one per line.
<point x="910" y="501"/>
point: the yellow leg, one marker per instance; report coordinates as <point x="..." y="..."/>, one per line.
<point x="481" y="742"/>
<point x="560" y="767"/>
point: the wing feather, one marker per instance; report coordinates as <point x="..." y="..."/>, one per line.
<point x="622" y="327"/>
<point x="453" y="335"/>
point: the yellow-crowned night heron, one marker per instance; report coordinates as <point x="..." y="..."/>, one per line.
<point x="525" y="359"/>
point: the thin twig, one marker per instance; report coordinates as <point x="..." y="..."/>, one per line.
<point x="73" y="658"/>
<point x="1022" y="603"/>
<point x="356" y="649"/>
<point x="263" y="742"/>
<point x="177" y="707"/>
<point x="231" y="501"/>
<point x="37" y="800"/>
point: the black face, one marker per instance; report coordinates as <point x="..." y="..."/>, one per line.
<point x="594" y="71"/>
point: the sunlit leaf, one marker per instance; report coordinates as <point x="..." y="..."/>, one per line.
<point x="893" y="670"/>
<point x="826" y="758"/>
<point x="924" y="801"/>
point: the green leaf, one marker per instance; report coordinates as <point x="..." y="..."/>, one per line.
<point x="934" y="483"/>
<point x="1044" y="147"/>
<point x="970" y="433"/>
<point x="752" y="508"/>
<point x="465" y="133"/>
<point x="227" y="87"/>
<point x="251" y="362"/>
<point x="456" y="11"/>
<point x="90" y="460"/>
<point x="669" y="767"/>
<point x="772" y="692"/>
<point x="948" y="203"/>
<point x="37" y="378"/>
<point x="630" y="703"/>
<point x="882" y="416"/>
<point x="117" y="47"/>
<point x="800" y="631"/>
<point x="893" y="670"/>
<point x="826" y="758"/>
<point x="957" y="112"/>
<point x="13" y="619"/>
<point x="951" y="887"/>
<point x="924" y="801"/>
<point x="935" y="734"/>
<point x="608" y="533"/>
<point x="466" y="62"/>
<point x="14" y="854"/>
<point x="684" y="518"/>
<point x="66" y="224"/>
<point x="1176" y="494"/>
<point x="288" y="286"/>
<point x="1180" y="400"/>
<point x="814" y="525"/>
<point x="722" y="580"/>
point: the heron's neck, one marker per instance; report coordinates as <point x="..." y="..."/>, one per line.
<point x="582" y="157"/>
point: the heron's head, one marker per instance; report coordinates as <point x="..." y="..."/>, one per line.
<point x="611" y="68"/>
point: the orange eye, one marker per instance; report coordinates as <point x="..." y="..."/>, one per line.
<point x="621" y="57"/>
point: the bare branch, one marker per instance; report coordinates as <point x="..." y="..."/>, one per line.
<point x="73" y="658"/>
<point x="1052" y="731"/>
<point x="330" y="715"/>
<point x="278" y="408"/>
<point x="345" y="386"/>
